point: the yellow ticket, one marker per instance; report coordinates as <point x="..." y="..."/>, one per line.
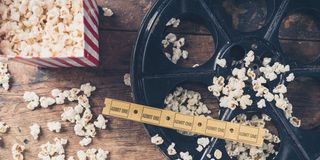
<point x="196" y="124"/>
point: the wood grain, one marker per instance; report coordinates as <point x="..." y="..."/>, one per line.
<point x="125" y="139"/>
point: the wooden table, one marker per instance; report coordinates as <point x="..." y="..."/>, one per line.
<point x="126" y="139"/>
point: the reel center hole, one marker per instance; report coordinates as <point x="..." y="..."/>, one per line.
<point x="237" y="52"/>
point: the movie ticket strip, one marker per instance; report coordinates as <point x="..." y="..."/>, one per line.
<point x="196" y="124"/>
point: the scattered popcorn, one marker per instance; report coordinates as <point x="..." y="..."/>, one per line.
<point x="295" y="121"/>
<point x="4" y="74"/>
<point x="217" y="154"/>
<point x="3" y="127"/>
<point x="242" y="151"/>
<point x="173" y="22"/>
<point x="126" y="79"/>
<point x="42" y="29"/>
<point x="87" y="89"/>
<point x="71" y="158"/>
<point x="93" y="154"/>
<point x="83" y="101"/>
<point x="58" y="95"/>
<point x="221" y="62"/>
<point x="202" y="143"/>
<point x="171" y="150"/>
<point x="101" y="122"/>
<point x="245" y="101"/>
<point x="33" y="100"/>
<point x="177" y="51"/>
<point x="280" y="89"/>
<point x="249" y="58"/>
<point x="85" y="141"/>
<point x="266" y="61"/>
<point x="157" y="140"/>
<point x="72" y="94"/>
<point x="70" y="114"/>
<point x="107" y="12"/>
<point x="45" y="102"/>
<point x="261" y="103"/>
<point x="17" y="151"/>
<point x="185" y="156"/>
<point x="53" y="150"/>
<point x="54" y="126"/>
<point x="35" y="130"/>
<point x="290" y="77"/>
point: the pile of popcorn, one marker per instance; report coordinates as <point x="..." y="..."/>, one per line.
<point x="186" y="102"/>
<point x="81" y="115"/>
<point x="51" y="28"/>
<point x="177" y="44"/>
<point x="243" y="151"/>
<point x="231" y="90"/>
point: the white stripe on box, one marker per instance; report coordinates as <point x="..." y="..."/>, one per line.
<point x="56" y="62"/>
<point x="91" y="37"/>
<point x="87" y="61"/>
<point x="96" y="8"/>
<point x="92" y="9"/>
<point x="89" y="20"/>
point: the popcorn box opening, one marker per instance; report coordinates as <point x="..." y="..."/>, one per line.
<point x="50" y="34"/>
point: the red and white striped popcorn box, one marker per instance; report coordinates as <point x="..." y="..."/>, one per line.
<point x="90" y="56"/>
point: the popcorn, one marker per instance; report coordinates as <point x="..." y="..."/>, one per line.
<point x="280" y="89"/>
<point x="45" y="102"/>
<point x="101" y="122"/>
<point x="17" y="151"/>
<point x="290" y="77"/>
<point x="261" y="103"/>
<point x="202" y="143"/>
<point x="3" y="127"/>
<point x="97" y="154"/>
<point x="87" y="89"/>
<point x="58" y="95"/>
<point x="107" y="12"/>
<point x="185" y="156"/>
<point x="178" y="52"/>
<point x="4" y="73"/>
<point x="266" y="61"/>
<point x="53" y="150"/>
<point x="157" y="140"/>
<point x="221" y="62"/>
<point x="54" y="126"/>
<point x="35" y="131"/>
<point x="295" y="121"/>
<point x="249" y="58"/>
<point x="217" y="154"/>
<point x="173" y="22"/>
<point x="126" y="79"/>
<point x="83" y="101"/>
<point x="85" y="141"/>
<point x="171" y="150"/>
<point x="72" y="94"/>
<point x="30" y="96"/>
<point x="69" y="114"/>
<point x="245" y="101"/>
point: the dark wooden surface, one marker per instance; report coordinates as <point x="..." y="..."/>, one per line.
<point x="126" y="139"/>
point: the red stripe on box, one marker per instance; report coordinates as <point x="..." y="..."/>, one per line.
<point x="78" y="60"/>
<point x="88" y="9"/>
<point x="94" y="33"/>
<point x="91" y="58"/>
<point x="89" y="41"/>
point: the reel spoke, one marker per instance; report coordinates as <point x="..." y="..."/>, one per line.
<point x="275" y="21"/>
<point x="312" y="70"/>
